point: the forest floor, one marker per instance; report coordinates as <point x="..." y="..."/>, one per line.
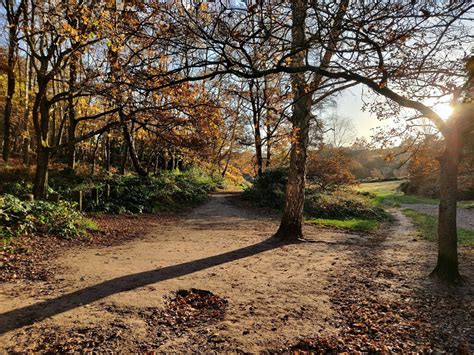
<point x="213" y="280"/>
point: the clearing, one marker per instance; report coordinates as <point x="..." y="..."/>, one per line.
<point x="345" y="291"/>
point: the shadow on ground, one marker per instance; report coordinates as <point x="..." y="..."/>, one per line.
<point x="21" y="317"/>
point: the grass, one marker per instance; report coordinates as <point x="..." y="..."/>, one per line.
<point x="353" y="224"/>
<point x="466" y="204"/>
<point x="386" y="193"/>
<point x="427" y="227"/>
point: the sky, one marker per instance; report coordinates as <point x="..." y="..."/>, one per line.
<point x="349" y="104"/>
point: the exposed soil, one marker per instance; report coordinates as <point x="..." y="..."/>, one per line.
<point x="465" y="217"/>
<point x="214" y="280"/>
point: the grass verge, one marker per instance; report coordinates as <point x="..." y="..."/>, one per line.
<point x="387" y="194"/>
<point x="353" y="224"/>
<point x="427" y="227"/>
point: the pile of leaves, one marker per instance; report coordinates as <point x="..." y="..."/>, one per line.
<point x="190" y="308"/>
<point x="185" y="309"/>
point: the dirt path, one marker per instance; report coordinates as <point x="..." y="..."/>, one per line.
<point x="465" y="217"/>
<point x="115" y="298"/>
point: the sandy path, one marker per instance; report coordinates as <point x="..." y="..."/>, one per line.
<point x="465" y="217"/>
<point x="217" y="247"/>
<point x="276" y="293"/>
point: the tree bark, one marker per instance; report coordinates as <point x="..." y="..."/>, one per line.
<point x="254" y="101"/>
<point x="291" y="222"/>
<point x="71" y="132"/>
<point x="133" y="154"/>
<point x="292" y="219"/>
<point x="13" y="43"/>
<point x="447" y="265"/>
<point x="269" y="148"/>
<point x="40" y="187"/>
<point x="258" y="147"/>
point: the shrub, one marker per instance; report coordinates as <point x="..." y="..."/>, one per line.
<point x="343" y="205"/>
<point x="169" y="191"/>
<point x="24" y="217"/>
<point x="268" y="190"/>
<point x="329" y="169"/>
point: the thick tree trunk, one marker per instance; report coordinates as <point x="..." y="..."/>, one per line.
<point x="291" y="222"/>
<point x="40" y="186"/>
<point x="292" y="219"/>
<point x="447" y="265"/>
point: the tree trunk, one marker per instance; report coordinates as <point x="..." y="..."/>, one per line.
<point x="258" y="147"/>
<point x="10" y="92"/>
<point x="133" y="154"/>
<point x="123" y="166"/>
<point x="107" y="153"/>
<point x="71" y="132"/>
<point x="292" y="219"/>
<point x="269" y="148"/>
<point x="447" y="265"/>
<point x="40" y="186"/>
<point x="291" y="222"/>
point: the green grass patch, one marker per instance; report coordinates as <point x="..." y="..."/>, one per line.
<point x="466" y="204"/>
<point x="427" y="227"/>
<point x="353" y="224"/>
<point x="397" y="198"/>
<point x="387" y="193"/>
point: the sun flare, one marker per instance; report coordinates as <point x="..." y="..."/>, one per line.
<point x="444" y="110"/>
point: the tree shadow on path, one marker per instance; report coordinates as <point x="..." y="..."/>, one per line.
<point x="29" y="315"/>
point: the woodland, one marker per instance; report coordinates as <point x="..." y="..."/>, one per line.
<point x="175" y="176"/>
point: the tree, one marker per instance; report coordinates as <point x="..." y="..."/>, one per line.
<point x="329" y="169"/>
<point x="291" y="222"/>
<point x="340" y="130"/>
<point x="13" y="15"/>
<point x="52" y="42"/>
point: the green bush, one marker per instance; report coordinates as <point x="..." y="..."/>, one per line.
<point x="269" y="191"/>
<point x="24" y="217"/>
<point x="169" y="191"/>
<point x="343" y="205"/>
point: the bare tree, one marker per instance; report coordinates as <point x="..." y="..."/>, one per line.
<point x="340" y="130"/>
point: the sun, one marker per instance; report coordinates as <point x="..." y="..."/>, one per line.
<point x="444" y="110"/>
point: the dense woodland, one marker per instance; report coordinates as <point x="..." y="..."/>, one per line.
<point x="129" y="107"/>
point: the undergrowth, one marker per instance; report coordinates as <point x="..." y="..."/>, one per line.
<point x="61" y="219"/>
<point x="343" y="208"/>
